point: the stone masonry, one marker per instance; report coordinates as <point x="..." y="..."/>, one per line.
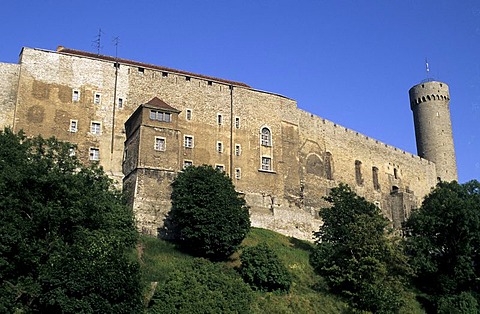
<point x="143" y="123"/>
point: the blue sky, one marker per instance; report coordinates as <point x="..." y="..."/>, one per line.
<point x="351" y="62"/>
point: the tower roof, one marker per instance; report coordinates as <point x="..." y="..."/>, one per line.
<point x="160" y="104"/>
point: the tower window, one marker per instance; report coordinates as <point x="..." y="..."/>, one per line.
<point x="188" y="114"/>
<point x="160" y="143"/>
<point x="238" y="173"/>
<point x="219" y="147"/>
<point x="329" y="165"/>
<point x="141" y="70"/>
<point x="219" y="119"/>
<point x="376" y="185"/>
<point x="188" y="141"/>
<point x="266" y="137"/>
<point x="160" y="116"/>
<point x="187" y="163"/>
<point x="220" y="168"/>
<point x="237" y="122"/>
<point x="164" y="74"/>
<point x="94" y="153"/>
<point x="120" y="103"/>
<point x="97" y="98"/>
<point x="238" y="150"/>
<point x="95" y="127"/>
<point x="76" y="95"/>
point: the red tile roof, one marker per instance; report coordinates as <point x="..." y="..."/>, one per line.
<point x="64" y="50"/>
<point x="160" y="104"/>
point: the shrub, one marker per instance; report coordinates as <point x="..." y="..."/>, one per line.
<point x="262" y="269"/>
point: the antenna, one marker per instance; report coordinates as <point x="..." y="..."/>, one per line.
<point x="427" y="69"/>
<point x="98" y="40"/>
<point x="428" y="78"/>
<point x="116" y="42"/>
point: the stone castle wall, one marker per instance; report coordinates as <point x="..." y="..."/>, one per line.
<point x="309" y="155"/>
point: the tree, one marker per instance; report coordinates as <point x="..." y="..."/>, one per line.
<point x="443" y="241"/>
<point x="65" y="233"/>
<point x="262" y="269"/>
<point x="357" y="256"/>
<point x="208" y="216"/>
<point x="204" y="287"/>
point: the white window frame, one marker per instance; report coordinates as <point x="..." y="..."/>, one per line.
<point x="266" y="166"/>
<point x="219" y="119"/>
<point x="187" y="163"/>
<point x="120" y="103"/>
<point x="220" y="167"/>
<point x="97" y="98"/>
<point x="238" y="173"/>
<point x="188" y="141"/>
<point x="188" y="114"/>
<point x="93" y="127"/>
<point x="94" y="153"/>
<point x="161" y="116"/>
<point x="238" y="149"/>
<point x="219" y="147"/>
<point x="73" y="128"/>
<point x="75" y="95"/>
<point x="265" y="140"/>
<point x="157" y="147"/>
<point x="237" y="122"/>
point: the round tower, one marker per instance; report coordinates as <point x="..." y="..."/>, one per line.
<point x="429" y="102"/>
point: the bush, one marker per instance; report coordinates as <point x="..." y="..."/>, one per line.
<point x="208" y="216"/>
<point x="463" y="303"/>
<point x="262" y="269"/>
<point x="204" y="287"/>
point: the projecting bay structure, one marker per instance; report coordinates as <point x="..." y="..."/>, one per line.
<point x="144" y="123"/>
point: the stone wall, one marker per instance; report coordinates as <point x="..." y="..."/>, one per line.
<point x="307" y="155"/>
<point x="8" y="93"/>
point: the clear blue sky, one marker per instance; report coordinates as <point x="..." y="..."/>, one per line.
<point x="351" y="62"/>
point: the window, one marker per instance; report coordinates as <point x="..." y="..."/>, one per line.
<point x="164" y="74"/>
<point x="238" y="173"/>
<point x="395" y="173"/>
<point x="266" y="163"/>
<point x="73" y="126"/>
<point x="188" y="141"/>
<point x="238" y="150"/>
<point x="120" y="103"/>
<point x="266" y="137"/>
<point x="141" y="70"/>
<point x="237" y="122"/>
<point x="376" y="185"/>
<point x="329" y="165"/>
<point x="160" y="116"/>
<point x="95" y="127"/>
<point x="219" y="147"/>
<point x="159" y="143"/>
<point x="188" y="114"/>
<point x="76" y="95"/>
<point x="358" y="172"/>
<point x="219" y="119"/>
<point x="71" y="151"/>
<point x="220" y="167"/>
<point x="187" y="163"/>
<point x="96" y="99"/>
<point x="94" y="154"/>
<point x="187" y="78"/>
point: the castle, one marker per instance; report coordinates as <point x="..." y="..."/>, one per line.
<point x="144" y="123"/>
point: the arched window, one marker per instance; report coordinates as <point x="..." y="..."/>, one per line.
<point x="266" y="137"/>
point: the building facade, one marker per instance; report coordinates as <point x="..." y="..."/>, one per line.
<point x="144" y="123"/>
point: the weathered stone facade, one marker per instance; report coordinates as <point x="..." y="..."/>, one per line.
<point x="281" y="158"/>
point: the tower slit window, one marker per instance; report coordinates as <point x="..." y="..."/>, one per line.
<point x="358" y="172"/>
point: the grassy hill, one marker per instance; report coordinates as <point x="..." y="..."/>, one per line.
<point x="307" y="295"/>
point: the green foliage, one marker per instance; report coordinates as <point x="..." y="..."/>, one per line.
<point x="357" y="257"/>
<point x="262" y="269"/>
<point x="464" y="303"/>
<point x="208" y="217"/>
<point x="64" y="233"/>
<point x="443" y="238"/>
<point x="204" y="287"/>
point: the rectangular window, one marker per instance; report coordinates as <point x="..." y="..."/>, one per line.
<point x="220" y="167"/>
<point x="237" y="122"/>
<point x="219" y="147"/>
<point x="238" y="173"/>
<point x="160" y="116"/>
<point x="71" y="151"/>
<point x="73" y="126"/>
<point x="188" y="141"/>
<point x="376" y="184"/>
<point x="188" y="114"/>
<point x="76" y="95"/>
<point x="238" y="150"/>
<point x="97" y="98"/>
<point x="219" y="119"/>
<point x="159" y="143"/>
<point x="94" y="154"/>
<point x="266" y="163"/>
<point x="164" y="74"/>
<point x="141" y="70"/>
<point x="95" y="127"/>
<point x="187" y="163"/>
<point x="120" y="103"/>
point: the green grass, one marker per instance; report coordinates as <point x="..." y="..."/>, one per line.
<point x="308" y="293"/>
